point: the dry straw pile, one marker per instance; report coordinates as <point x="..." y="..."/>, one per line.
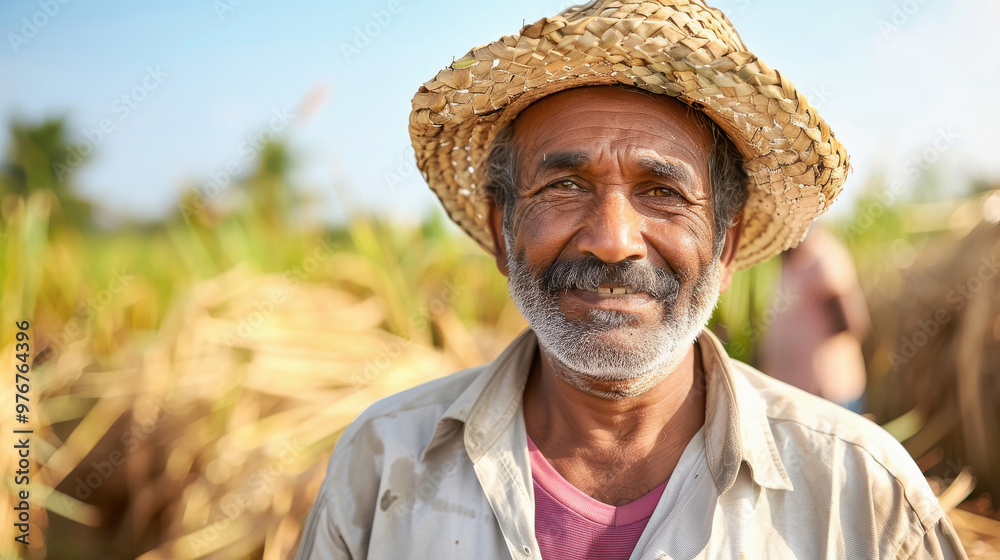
<point x="209" y="437"/>
<point x="936" y="357"/>
<point x="212" y="443"/>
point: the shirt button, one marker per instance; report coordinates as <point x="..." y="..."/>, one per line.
<point x="527" y="551"/>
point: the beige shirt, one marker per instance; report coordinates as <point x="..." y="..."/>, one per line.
<point x="442" y="471"/>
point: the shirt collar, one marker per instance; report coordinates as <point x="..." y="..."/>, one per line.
<point x="737" y="429"/>
<point x="487" y="406"/>
<point x="736" y="425"/>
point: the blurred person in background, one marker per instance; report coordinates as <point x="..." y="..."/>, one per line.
<point x="621" y="160"/>
<point x="814" y="342"/>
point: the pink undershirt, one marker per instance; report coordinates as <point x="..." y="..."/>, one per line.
<point x="571" y="524"/>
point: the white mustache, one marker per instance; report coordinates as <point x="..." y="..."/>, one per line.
<point x="594" y="275"/>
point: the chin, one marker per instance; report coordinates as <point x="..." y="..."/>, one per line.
<point x="612" y="372"/>
<point x="615" y="354"/>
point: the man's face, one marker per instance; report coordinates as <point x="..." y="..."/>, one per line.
<point x="610" y="250"/>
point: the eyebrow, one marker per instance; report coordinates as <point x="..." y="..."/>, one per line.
<point x="562" y="161"/>
<point x="666" y="169"/>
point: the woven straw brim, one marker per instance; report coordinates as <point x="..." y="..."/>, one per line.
<point x="685" y="50"/>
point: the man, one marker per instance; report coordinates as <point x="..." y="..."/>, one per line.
<point x="814" y="342"/>
<point x="621" y="160"/>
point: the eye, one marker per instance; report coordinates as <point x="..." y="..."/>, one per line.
<point x="563" y="184"/>
<point x="661" y="192"/>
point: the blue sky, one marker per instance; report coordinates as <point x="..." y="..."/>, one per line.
<point x="203" y="79"/>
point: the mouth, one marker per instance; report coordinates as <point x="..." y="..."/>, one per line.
<point x="611" y="297"/>
<point x="613" y="290"/>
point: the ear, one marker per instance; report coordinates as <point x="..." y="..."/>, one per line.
<point x="727" y="260"/>
<point x="495" y="219"/>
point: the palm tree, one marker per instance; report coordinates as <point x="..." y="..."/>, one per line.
<point x="39" y="158"/>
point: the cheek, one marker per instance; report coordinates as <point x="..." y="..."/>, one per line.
<point x="543" y="229"/>
<point x="685" y="250"/>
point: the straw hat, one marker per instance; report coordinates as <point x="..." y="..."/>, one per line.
<point x="679" y="48"/>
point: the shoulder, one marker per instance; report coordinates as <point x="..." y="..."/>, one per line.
<point x="398" y="426"/>
<point x="417" y="409"/>
<point x="823" y="444"/>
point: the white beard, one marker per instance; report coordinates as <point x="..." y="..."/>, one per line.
<point x="589" y="351"/>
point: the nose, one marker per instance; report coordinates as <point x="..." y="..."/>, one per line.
<point x="613" y="232"/>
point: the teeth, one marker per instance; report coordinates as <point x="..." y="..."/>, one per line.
<point x="614" y="291"/>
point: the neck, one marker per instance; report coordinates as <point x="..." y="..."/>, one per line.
<point x="561" y="416"/>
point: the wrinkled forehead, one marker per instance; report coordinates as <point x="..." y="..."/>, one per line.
<point x="603" y="117"/>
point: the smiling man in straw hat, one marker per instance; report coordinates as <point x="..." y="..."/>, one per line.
<point x="621" y="160"/>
